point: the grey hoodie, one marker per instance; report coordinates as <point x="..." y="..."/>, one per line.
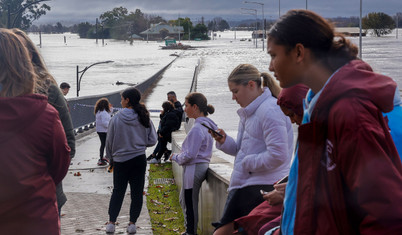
<point x="127" y="137"/>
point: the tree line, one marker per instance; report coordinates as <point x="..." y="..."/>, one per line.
<point x="119" y="23"/>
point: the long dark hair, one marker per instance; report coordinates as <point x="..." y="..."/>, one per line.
<point x="201" y="101"/>
<point x="315" y="33"/>
<point x="102" y="104"/>
<point x="134" y="97"/>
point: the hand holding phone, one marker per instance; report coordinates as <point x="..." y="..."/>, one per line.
<point x="209" y="128"/>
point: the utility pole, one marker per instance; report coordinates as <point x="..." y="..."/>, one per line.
<point x="96" y="30"/>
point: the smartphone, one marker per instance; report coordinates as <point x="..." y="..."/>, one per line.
<point x="283" y="180"/>
<point x="209" y="128"/>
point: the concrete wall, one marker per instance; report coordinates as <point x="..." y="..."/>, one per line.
<point x="213" y="192"/>
<point x="82" y="108"/>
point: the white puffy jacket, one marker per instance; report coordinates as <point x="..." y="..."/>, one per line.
<point x="264" y="144"/>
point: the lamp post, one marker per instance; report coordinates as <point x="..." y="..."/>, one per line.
<point x="84" y="70"/>
<point x="279" y="9"/>
<point x="18" y="12"/>
<point x="263" y="20"/>
<point x="255" y="13"/>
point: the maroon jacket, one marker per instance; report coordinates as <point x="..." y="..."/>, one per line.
<point x="350" y="174"/>
<point x="34" y="157"/>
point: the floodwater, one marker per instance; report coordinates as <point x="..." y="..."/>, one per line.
<point x="135" y="63"/>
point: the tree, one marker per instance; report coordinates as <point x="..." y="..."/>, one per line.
<point x="22" y="12"/>
<point x="185" y="23"/>
<point x="200" y="31"/>
<point x="218" y="24"/>
<point x="380" y="23"/>
<point x="83" y="29"/>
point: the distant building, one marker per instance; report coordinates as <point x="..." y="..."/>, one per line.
<point x="350" y="31"/>
<point x="162" y="30"/>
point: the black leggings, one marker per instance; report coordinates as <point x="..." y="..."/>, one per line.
<point x="102" y="137"/>
<point x="133" y="172"/>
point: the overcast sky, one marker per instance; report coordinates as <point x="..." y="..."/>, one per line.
<point x="73" y="11"/>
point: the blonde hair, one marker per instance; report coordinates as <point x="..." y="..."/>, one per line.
<point x="44" y="78"/>
<point x="244" y="73"/>
<point x="273" y="86"/>
<point x="17" y="76"/>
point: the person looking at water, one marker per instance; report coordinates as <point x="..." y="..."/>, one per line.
<point x="171" y="96"/>
<point x="65" y="88"/>
<point x="129" y="133"/>
<point x="195" y="156"/>
<point x="347" y="173"/>
<point x="103" y="112"/>
<point x="46" y="85"/>
<point x="167" y="125"/>
<point x="262" y="150"/>
<point x="34" y="155"/>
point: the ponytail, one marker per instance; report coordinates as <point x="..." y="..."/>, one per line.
<point x="273" y="86"/>
<point x="342" y="51"/>
<point x="134" y="97"/>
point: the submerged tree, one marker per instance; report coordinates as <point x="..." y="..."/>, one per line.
<point x="379" y="22"/>
<point x="22" y="12"/>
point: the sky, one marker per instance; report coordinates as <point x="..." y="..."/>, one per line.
<point x="74" y="11"/>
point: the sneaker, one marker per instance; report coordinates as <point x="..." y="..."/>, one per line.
<point x="101" y="163"/>
<point x="131" y="229"/>
<point x="150" y="157"/>
<point x="110" y="228"/>
<point x="155" y="161"/>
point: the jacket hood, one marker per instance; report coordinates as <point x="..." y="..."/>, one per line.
<point x="357" y="79"/>
<point x="18" y="113"/>
<point x="129" y="117"/>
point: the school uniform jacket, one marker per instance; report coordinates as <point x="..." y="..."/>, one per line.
<point x="350" y="174"/>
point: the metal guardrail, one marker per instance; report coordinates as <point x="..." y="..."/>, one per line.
<point x="82" y="108"/>
<point x="190" y="122"/>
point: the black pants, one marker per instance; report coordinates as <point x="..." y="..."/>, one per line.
<point x="133" y="172"/>
<point x="162" y="143"/>
<point x="102" y="137"/>
<point x="188" y="196"/>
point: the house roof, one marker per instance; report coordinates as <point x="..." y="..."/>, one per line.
<point x="156" y="29"/>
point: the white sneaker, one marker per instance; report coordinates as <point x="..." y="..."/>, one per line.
<point x="155" y="161"/>
<point x="110" y="228"/>
<point x="131" y="229"/>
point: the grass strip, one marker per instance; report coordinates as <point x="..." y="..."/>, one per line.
<point x="163" y="202"/>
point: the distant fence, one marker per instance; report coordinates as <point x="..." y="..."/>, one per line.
<point x="82" y="108"/>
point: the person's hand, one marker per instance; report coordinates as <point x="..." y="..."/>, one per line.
<point x="274" y="197"/>
<point x="280" y="187"/>
<point x="170" y="157"/>
<point x="219" y="139"/>
<point x="160" y="136"/>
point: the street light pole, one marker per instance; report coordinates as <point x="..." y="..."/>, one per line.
<point x="255" y="13"/>
<point x="279" y="9"/>
<point x="83" y="71"/>
<point x="263" y="20"/>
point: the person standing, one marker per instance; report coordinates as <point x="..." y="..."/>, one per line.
<point x="171" y="96"/>
<point x="34" y="155"/>
<point x="130" y="132"/>
<point x="262" y="150"/>
<point x="47" y="85"/>
<point x="195" y="156"/>
<point x="103" y="110"/>
<point x="347" y="173"/>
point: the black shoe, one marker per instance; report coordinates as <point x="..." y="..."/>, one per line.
<point x="166" y="155"/>
<point x="150" y="157"/>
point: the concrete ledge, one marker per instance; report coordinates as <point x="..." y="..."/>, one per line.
<point x="213" y="192"/>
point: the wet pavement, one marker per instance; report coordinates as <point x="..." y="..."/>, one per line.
<point x="88" y="186"/>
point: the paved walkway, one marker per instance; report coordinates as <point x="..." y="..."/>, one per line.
<point x="88" y="187"/>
